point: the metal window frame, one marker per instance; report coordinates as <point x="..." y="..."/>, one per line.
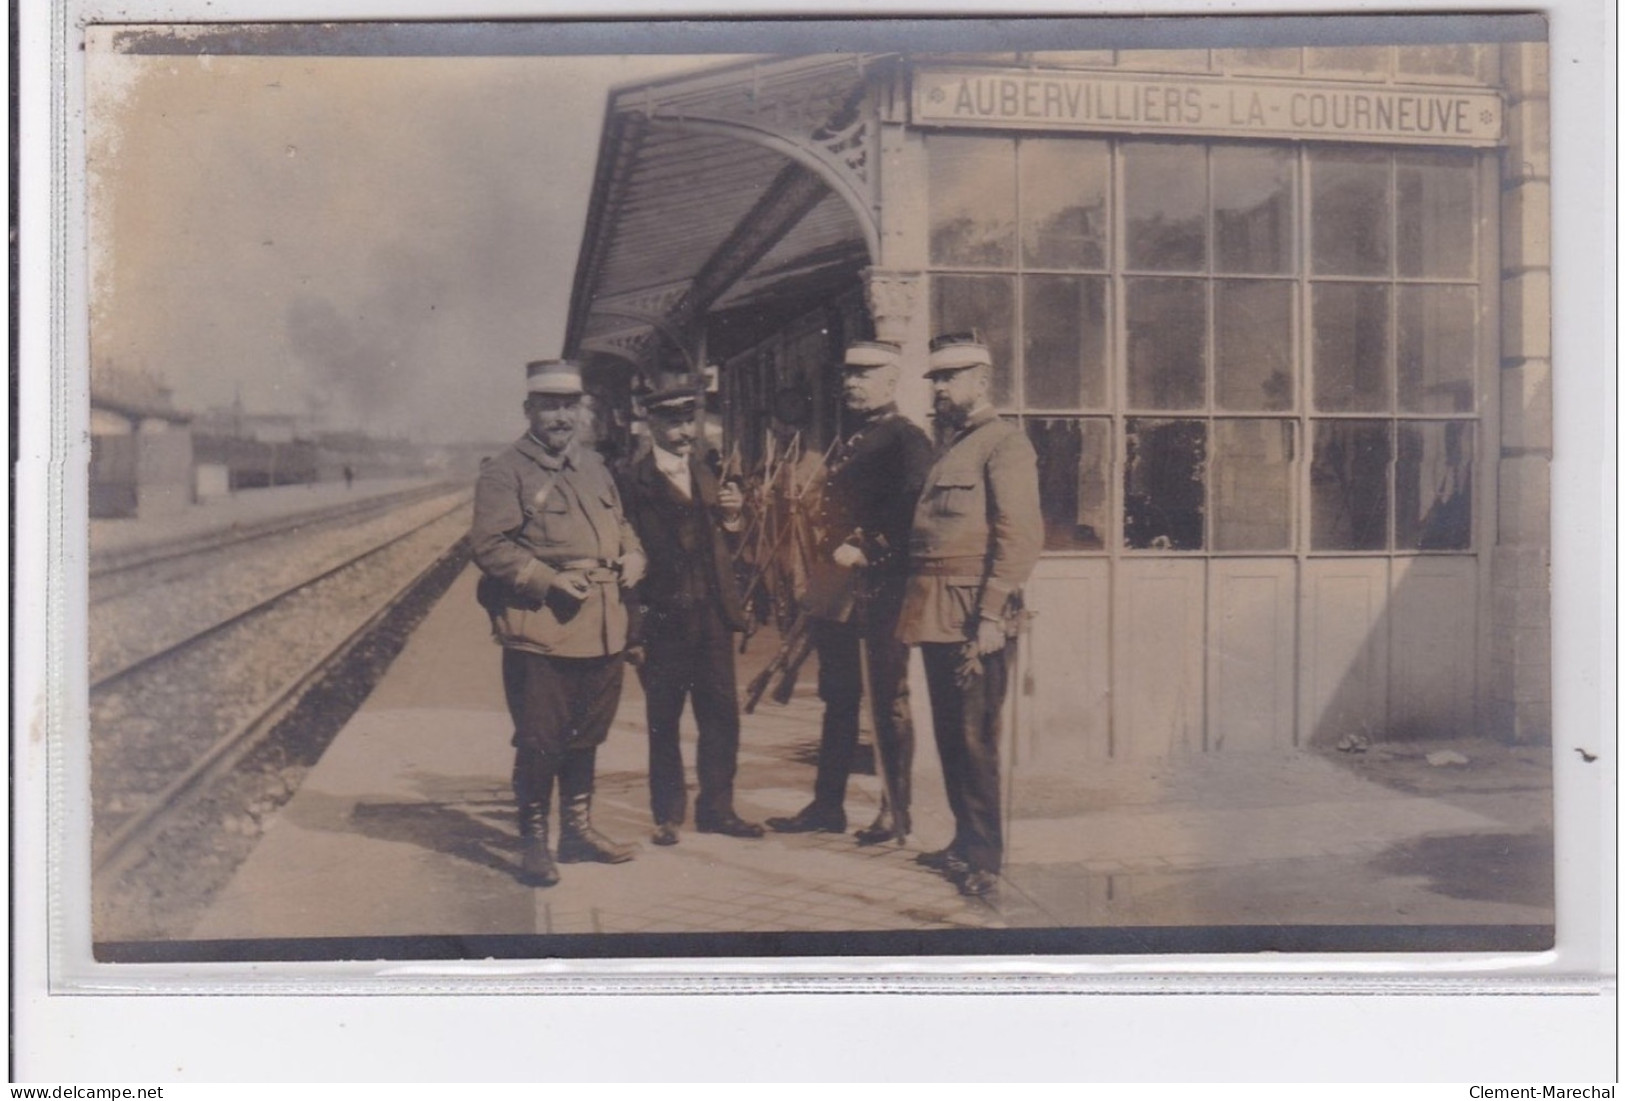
<point x="1301" y="415"/>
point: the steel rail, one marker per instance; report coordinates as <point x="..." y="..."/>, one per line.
<point x="122" y="846"/>
<point x="114" y="562"/>
<point x="103" y="682"/>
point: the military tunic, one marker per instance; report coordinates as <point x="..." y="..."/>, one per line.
<point x="871" y="483"/>
<point x="977" y="534"/>
<point x="537" y="514"/>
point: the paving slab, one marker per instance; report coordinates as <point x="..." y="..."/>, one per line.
<point x="406" y="827"/>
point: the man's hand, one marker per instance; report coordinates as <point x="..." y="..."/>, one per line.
<point x="731" y="500"/>
<point x="633" y="567"/>
<point x="850" y="557"/>
<point x="635" y="655"/>
<point x="572" y="583"/>
<point x="969" y="669"/>
<point x="990" y="636"/>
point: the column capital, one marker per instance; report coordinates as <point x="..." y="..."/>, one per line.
<point x="900" y="312"/>
<point x="893" y="298"/>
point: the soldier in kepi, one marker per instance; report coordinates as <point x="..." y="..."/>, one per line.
<point x="556" y="552"/>
<point x="855" y="592"/>
<point x="689" y="610"/>
<point x="977" y="534"/>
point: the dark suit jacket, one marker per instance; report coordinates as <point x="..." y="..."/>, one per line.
<point x="687" y="561"/>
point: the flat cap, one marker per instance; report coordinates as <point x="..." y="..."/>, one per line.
<point x="552" y="376"/>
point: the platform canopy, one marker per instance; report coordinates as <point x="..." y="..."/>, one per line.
<point x="723" y="203"/>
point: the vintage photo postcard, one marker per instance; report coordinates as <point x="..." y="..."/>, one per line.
<point x="865" y="489"/>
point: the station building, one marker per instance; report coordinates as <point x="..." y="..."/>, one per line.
<point x="1276" y="321"/>
<point x="141" y="459"/>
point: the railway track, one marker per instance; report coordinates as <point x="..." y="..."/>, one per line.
<point x="185" y="596"/>
<point x="170" y="721"/>
<point x="114" y="573"/>
<point x="106" y="680"/>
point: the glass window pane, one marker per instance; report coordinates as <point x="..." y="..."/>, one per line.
<point x="1073" y="461"/>
<point x="1064" y="317"/>
<point x="1063" y="203"/>
<point x="1350" y="220"/>
<point x="1252" y="484"/>
<point x="1351" y="347"/>
<point x="1437" y="348"/>
<point x="973" y="201"/>
<point x="1162" y="484"/>
<point x="986" y="303"/>
<point x="1252" y="331"/>
<point x="1437" y="214"/>
<point x="1165" y="201"/>
<point x="1348" y="486"/>
<point x="1252" y="210"/>
<point x="1371" y="61"/>
<point x="1167" y="343"/>
<point x="1433" y="486"/>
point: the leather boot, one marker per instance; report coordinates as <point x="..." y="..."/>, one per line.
<point x="887" y="827"/>
<point x="811" y="818"/>
<point x="579" y="843"/>
<point x="536" y="862"/>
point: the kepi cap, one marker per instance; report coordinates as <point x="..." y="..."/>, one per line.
<point x="956" y="351"/>
<point x="872" y="353"/>
<point x="552" y="376"/>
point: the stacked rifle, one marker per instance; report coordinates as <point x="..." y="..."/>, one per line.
<point x="775" y="556"/>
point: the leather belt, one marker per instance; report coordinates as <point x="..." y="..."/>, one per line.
<point x="963" y="566"/>
<point x="598" y="571"/>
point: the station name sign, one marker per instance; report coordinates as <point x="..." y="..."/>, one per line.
<point x="1030" y="99"/>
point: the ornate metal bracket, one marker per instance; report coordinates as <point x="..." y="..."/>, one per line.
<point x="832" y="128"/>
<point x="634" y="346"/>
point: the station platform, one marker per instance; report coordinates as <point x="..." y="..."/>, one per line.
<point x="405" y="828"/>
<point x="243" y="508"/>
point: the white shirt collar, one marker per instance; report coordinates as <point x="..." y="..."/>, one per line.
<point x="675" y="468"/>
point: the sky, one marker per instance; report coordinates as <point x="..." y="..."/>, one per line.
<point x="384" y="242"/>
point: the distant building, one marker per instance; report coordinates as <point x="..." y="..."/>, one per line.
<point x="233" y="420"/>
<point x="255" y="450"/>
<point x="140" y="448"/>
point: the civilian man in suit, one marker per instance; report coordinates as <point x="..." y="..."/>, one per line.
<point x="556" y="550"/>
<point x="855" y="592"/>
<point x="689" y="608"/>
<point x="977" y="534"/>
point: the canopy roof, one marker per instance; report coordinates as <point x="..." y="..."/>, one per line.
<point x="723" y="201"/>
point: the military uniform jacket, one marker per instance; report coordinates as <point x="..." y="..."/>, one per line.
<point x="871" y="484"/>
<point x="977" y="532"/>
<point x="536" y="514"/>
<point x="690" y="556"/>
